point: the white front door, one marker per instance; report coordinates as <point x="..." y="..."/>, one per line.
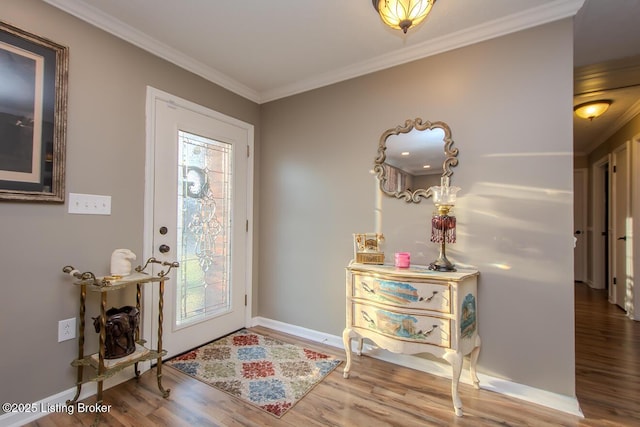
<point x="198" y="210"/>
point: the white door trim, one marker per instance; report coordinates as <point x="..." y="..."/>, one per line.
<point x="154" y="94"/>
<point x="598" y="261"/>
<point x="580" y="250"/>
<point x="635" y="231"/>
<point x="613" y="237"/>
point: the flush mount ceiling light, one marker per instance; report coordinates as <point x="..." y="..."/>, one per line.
<point x="592" y="109"/>
<point x="403" y="14"/>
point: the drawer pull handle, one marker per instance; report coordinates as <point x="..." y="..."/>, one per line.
<point x="366" y="288"/>
<point x="427" y="333"/>
<point x="430" y="298"/>
<point x="368" y="319"/>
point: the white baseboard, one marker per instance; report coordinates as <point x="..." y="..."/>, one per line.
<point x="594" y="285"/>
<point x="545" y="398"/>
<point x="57" y="402"/>
<point x="299" y="331"/>
<point x="551" y="400"/>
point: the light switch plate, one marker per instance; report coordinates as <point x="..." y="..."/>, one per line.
<point x="89" y="204"/>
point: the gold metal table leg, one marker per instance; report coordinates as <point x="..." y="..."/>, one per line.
<point x="80" y="367"/>
<point x="101" y="353"/>
<point x="165" y="393"/>
<point x="136" y="337"/>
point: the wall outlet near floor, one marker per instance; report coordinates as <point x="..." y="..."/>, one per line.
<point x="66" y="329"/>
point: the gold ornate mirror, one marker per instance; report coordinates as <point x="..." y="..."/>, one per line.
<point x="414" y="157"/>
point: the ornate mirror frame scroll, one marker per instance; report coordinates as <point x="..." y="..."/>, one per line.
<point x="450" y="153"/>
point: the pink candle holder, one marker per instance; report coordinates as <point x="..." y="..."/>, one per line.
<point x="403" y="259"/>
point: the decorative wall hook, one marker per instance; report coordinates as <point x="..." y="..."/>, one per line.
<point x="162" y="273"/>
<point x="87" y="275"/>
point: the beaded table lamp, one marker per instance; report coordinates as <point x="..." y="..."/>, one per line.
<point x="443" y="223"/>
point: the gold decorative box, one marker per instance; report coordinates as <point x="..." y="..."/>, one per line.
<point x="370" y="258"/>
<point x="367" y="248"/>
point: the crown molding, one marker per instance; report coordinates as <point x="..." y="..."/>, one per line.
<point x="609" y="75"/>
<point x="632" y="112"/>
<point x="121" y="30"/>
<point x="530" y="18"/>
<point x="539" y="15"/>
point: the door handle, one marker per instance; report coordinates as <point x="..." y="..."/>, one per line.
<point x="623" y="238"/>
<point x="578" y="232"/>
<point x="164" y="249"/>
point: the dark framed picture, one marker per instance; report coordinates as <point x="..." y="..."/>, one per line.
<point x="33" y="116"/>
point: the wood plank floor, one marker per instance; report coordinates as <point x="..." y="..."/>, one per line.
<point x="607" y="360"/>
<point x="383" y="394"/>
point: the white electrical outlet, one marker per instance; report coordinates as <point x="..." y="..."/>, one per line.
<point x="89" y="204"/>
<point x="66" y="329"/>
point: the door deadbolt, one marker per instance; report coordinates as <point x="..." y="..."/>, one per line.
<point x="163" y="230"/>
<point x="164" y="249"/>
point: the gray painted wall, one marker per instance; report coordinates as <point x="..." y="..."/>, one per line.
<point x="624" y="134"/>
<point x="508" y="103"/>
<point x="105" y="155"/>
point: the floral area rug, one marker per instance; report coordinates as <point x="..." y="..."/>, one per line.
<point x="262" y="371"/>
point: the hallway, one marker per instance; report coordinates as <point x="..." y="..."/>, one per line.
<point x="607" y="359"/>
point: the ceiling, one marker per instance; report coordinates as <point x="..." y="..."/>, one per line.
<point x="607" y="61"/>
<point x="265" y="50"/>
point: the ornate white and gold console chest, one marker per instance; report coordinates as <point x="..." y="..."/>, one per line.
<point x="415" y="310"/>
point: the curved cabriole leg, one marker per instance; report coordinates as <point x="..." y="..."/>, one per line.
<point x="473" y="359"/>
<point x="455" y="359"/>
<point x="346" y="339"/>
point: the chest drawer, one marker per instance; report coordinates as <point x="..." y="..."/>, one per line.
<point x="411" y="327"/>
<point x="417" y="295"/>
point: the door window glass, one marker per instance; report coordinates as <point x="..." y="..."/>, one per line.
<point x="204" y="221"/>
